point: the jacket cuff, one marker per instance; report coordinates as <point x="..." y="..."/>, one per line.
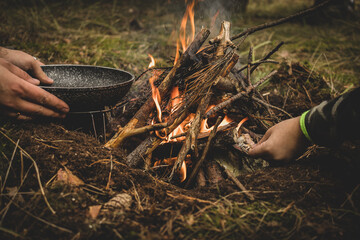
<point x="303" y="126"/>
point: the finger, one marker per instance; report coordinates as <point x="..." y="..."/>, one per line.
<point x="16" y="115"/>
<point x="42" y="97"/>
<point x="40" y="63"/>
<point x="31" y="109"/>
<point x="259" y="150"/>
<point x="265" y="137"/>
<point x="39" y="73"/>
<point x="22" y="74"/>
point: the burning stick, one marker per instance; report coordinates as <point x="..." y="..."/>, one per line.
<point x="144" y="151"/>
<point x="144" y="112"/>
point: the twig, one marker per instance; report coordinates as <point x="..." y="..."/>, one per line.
<point x="257" y="63"/>
<point x="111" y="168"/>
<point x="248" y="76"/>
<point x="280" y="21"/>
<point x="10" y="164"/>
<point x="198" y="164"/>
<point x="6" y="208"/>
<point x="36" y="169"/>
<point x="137" y="197"/>
<point x="12" y="233"/>
<point x="152" y="69"/>
<point x="43" y="220"/>
<point x="272" y="106"/>
<point x="240" y="185"/>
<point x="192" y="199"/>
<point x="265" y="59"/>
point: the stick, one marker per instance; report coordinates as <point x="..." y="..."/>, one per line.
<point x="198" y="164"/>
<point x="145" y="149"/>
<point x="190" y="141"/>
<point x="240" y="185"/>
<point x="272" y="106"/>
<point x="267" y="56"/>
<point x="248" y="67"/>
<point x="226" y="103"/>
<point x="281" y="20"/>
<point x="143" y="113"/>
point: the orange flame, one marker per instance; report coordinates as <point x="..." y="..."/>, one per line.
<point x="241" y="123"/>
<point x="177" y="55"/>
<point x="174" y="104"/>
<point x="183" y="172"/>
<point x="204" y="125"/>
<point x="189" y="13"/>
<point x="155" y="91"/>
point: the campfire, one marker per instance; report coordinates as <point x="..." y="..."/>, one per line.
<point x="192" y="103"/>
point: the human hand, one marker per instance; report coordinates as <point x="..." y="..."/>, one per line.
<point x="283" y="142"/>
<point x="20" y="98"/>
<point x="27" y="63"/>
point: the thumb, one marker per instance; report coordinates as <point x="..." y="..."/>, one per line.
<point x="259" y="150"/>
<point x="39" y="73"/>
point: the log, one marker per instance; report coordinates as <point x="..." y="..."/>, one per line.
<point x="143" y="113"/>
<point x="143" y="152"/>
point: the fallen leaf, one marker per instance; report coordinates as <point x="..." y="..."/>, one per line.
<point x="94" y="211"/>
<point x="68" y="177"/>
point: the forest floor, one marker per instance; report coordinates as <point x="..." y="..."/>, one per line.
<point x="314" y="198"/>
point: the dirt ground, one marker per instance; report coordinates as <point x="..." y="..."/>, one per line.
<point x="317" y="197"/>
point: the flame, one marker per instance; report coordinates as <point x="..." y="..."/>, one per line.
<point x="177" y="55"/>
<point x="204" y="127"/>
<point x="152" y="63"/>
<point x="183" y="172"/>
<point x="241" y="123"/>
<point x="155" y="91"/>
<point x="171" y="161"/>
<point x="189" y="13"/>
<point x="174" y="104"/>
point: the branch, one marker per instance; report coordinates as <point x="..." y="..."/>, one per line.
<point x="281" y="20"/>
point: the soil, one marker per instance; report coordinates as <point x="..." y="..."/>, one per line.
<point x="313" y="197"/>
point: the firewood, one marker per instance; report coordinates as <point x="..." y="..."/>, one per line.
<point x="203" y="156"/>
<point x="226" y="103"/>
<point x="143" y="113"/>
<point x="191" y="137"/>
<point x="143" y="152"/>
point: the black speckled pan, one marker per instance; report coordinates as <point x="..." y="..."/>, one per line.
<point x="88" y="87"/>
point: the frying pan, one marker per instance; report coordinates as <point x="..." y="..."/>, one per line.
<point x="85" y="87"/>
